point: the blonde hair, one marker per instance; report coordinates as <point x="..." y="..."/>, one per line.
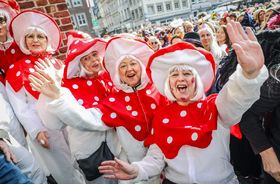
<point x="199" y="89"/>
<point x="215" y="49"/>
<point x="28" y="31"/>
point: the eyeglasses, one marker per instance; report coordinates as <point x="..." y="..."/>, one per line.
<point x="154" y="43"/>
<point x="3" y="20"/>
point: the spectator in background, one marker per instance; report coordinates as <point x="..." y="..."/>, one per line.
<point x="210" y="44"/>
<point x="188" y="27"/>
<point x="223" y="39"/>
<point x="154" y="43"/>
<point x="259" y="18"/>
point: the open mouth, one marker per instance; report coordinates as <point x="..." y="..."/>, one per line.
<point x="95" y="65"/>
<point x="130" y="75"/>
<point x="182" y="88"/>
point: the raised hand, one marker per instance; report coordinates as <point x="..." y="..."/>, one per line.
<point x="118" y="169"/>
<point x="45" y="85"/>
<point x="249" y="52"/>
<point x="46" y="68"/>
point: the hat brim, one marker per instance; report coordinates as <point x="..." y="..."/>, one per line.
<point x="35" y="18"/>
<point x="9" y="11"/>
<point x="73" y="63"/>
<point x="181" y="53"/>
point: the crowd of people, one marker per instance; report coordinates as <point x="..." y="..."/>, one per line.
<point x="191" y="102"/>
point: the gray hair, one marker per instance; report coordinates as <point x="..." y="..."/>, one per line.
<point x="28" y="31"/>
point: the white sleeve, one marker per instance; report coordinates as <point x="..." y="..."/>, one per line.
<point x="50" y="120"/>
<point x="237" y="95"/>
<point x="151" y="165"/>
<point x="4" y="118"/>
<point x="24" y="109"/>
<point x="70" y="112"/>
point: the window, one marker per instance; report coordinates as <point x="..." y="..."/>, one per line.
<point x="159" y="7"/>
<point x="73" y="20"/>
<point x="125" y="14"/>
<point x="68" y="3"/>
<point x="77" y="3"/>
<point x="136" y="14"/>
<point x="193" y="1"/>
<point x="128" y="13"/>
<point x="151" y="9"/>
<point x="132" y="14"/>
<point x="168" y="6"/>
<point x="140" y="12"/>
<point x="81" y="19"/>
<point x="176" y="5"/>
<point x="184" y="3"/>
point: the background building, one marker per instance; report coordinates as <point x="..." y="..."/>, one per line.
<point x="81" y="15"/>
<point x="123" y="15"/>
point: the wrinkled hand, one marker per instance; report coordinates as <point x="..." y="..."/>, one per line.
<point x="271" y="163"/>
<point x="46" y="68"/>
<point x="249" y="52"/>
<point x="43" y="139"/>
<point x="118" y="169"/>
<point x="7" y="152"/>
<point x="45" y="85"/>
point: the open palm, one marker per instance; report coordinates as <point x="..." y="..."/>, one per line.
<point x="118" y="169"/>
<point x="248" y="50"/>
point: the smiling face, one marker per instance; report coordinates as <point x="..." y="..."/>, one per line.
<point x="130" y="72"/>
<point x="36" y="42"/>
<point x="91" y="63"/>
<point x="154" y="44"/>
<point x="182" y="86"/>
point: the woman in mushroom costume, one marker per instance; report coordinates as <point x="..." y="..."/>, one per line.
<point x="130" y="110"/>
<point x="9" y="51"/>
<point x="190" y="137"/>
<point x="85" y="77"/>
<point x="9" y="54"/>
<point x="38" y="37"/>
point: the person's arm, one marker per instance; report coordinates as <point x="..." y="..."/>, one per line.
<point x="24" y="110"/>
<point x="243" y="87"/>
<point x="4" y="147"/>
<point x="71" y="113"/>
<point x="61" y="103"/>
<point x="251" y="122"/>
<point x="4" y="119"/>
<point x="151" y="165"/>
<point x="271" y="163"/>
<point x="251" y="126"/>
<point x="237" y="95"/>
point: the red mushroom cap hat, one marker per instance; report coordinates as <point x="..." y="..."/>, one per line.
<point x="181" y="53"/>
<point x="29" y="18"/>
<point x="80" y="48"/>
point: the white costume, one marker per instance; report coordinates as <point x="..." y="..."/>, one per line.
<point x="25" y="160"/>
<point x="68" y="109"/>
<point x="191" y="143"/>
<point x="90" y="91"/>
<point x="57" y="159"/>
